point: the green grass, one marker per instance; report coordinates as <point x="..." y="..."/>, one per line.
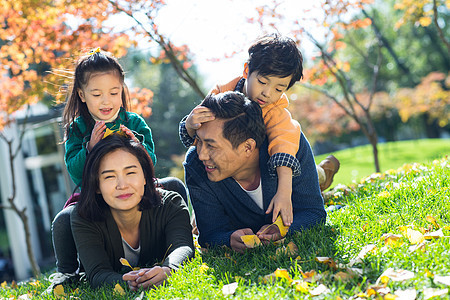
<point x="380" y="204"/>
<point x="357" y="162"/>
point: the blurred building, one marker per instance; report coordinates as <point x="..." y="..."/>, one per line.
<point x="42" y="185"/>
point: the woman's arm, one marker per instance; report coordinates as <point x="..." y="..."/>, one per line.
<point x="90" y="242"/>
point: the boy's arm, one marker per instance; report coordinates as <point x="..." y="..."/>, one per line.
<point x="190" y="124"/>
<point x="283" y="134"/>
<point x="185" y="138"/>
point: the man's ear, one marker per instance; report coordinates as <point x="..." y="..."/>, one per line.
<point x="249" y="146"/>
<point x="245" y="72"/>
<point x="81" y="94"/>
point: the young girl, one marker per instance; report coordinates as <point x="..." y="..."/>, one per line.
<point x="98" y="104"/>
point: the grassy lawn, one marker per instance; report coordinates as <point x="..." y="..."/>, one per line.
<point x="357" y="162"/>
<point x="392" y="236"/>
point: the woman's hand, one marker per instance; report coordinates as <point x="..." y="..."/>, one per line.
<point x="146" y="278"/>
<point x="97" y="134"/>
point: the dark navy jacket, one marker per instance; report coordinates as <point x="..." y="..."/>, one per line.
<point x="224" y="207"/>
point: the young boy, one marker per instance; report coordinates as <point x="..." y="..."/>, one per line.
<point x="273" y="66"/>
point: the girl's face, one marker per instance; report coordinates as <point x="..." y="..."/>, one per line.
<point x="121" y="181"/>
<point x="102" y="95"/>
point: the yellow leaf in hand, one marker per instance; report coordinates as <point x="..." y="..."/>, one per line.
<point x="108" y="132"/>
<point x="125" y="262"/>
<point x="283" y="229"/>
<point x="251" y="240"/>
<point x="119" y="289"/>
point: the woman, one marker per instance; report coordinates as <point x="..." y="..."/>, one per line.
<point x="121" y="214"/>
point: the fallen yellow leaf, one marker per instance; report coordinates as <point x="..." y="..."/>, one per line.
<point x="414" y="236"/>
<point x="203" y="268"/>
<point x="308" y="275"/>
<point x="302" y="287"/>
<point x="280" y="224"/>
<point x="119" y="289"/>
<point x="283" y="273"/>
<point x="251" y="240"/>
<point x="4" y="284"/>
<point x="58" y="291"/>
<point x="389" y="297"/>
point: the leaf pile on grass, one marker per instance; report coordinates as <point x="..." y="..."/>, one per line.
<point x="390" y="240"/>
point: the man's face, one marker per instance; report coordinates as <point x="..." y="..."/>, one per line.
<point x="265" y="90"/>
<point x="217" y="154"/>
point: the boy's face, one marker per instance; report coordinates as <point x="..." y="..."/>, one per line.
<point x="265" y="90"/>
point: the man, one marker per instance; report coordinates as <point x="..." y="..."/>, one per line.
<point x="228" y="178"/>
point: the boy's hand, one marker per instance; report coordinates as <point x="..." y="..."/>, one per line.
<point x="97" y="134"/>
<point x="129" y="133"/>
<point x="198" y="115"/>
<point x="281" y="203"/>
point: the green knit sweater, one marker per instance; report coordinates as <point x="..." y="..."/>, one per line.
<point x="80" y="134"/>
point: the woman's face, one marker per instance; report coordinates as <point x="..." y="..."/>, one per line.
<point x="121" y="180"/>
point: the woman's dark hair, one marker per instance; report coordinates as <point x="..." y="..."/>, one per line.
<point x="243" y="117"/>
<point x="91" y="205"/>
<point x="97" y="61"/>
<point x="276" y="55"/>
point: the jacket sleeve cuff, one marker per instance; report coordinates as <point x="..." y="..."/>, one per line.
<point x="184" y="135"/>
<point x="284" y="160"/>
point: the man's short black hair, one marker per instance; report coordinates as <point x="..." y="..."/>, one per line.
<point x="243" y="117"/>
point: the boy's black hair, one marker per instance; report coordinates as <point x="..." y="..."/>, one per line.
<point x="276" y="55"/>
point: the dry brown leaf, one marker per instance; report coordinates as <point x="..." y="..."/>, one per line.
<point x="430" y="293"/>
<point x="420" y="246"/>
<point x="414" y="236"/>
<point x="392" y="239"/>
<point x="328" y="261"/>
<point x="396" y="275"/>
<point x="364" y="251"/>
<point x="405" y="294"/>
<point x="291" y="250"/>
<point x="434" y="235"/>
<point x="251" y="240"/>
<point x="343" y="276"/>
<point x="269" y="278"/>
<point x="308" y="276"/>
<point x="438" y="279"/>
<point x="229" y="289"/>
<point x="321" y="289"/>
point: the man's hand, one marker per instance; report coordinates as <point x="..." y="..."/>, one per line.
<point x="236" y="242"/>
<point x="97" y="134"/>
<point x="146" y="278"/>
<point x="269" y="232"/>
<point x="198" y="115"/>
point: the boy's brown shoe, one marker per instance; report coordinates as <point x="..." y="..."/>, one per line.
<point x="331" y="166"/>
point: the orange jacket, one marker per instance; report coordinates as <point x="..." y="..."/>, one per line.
<point x="283" y="132"/>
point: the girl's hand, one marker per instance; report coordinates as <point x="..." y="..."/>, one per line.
<point x="146" y="278"/>
<point x="97" y="134"/>
<point x="198" y="115"/>
<point x="129" y="133"/>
